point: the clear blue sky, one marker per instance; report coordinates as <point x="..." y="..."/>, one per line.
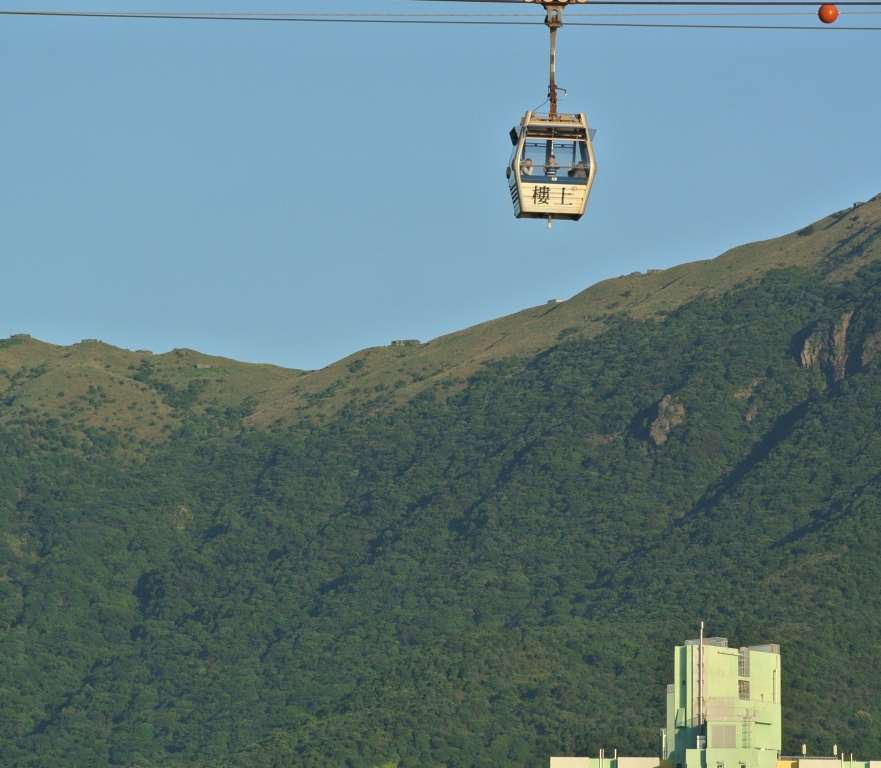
<point x="290" y="193"/>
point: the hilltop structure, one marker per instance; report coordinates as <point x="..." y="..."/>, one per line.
<point x="723" y="711"/>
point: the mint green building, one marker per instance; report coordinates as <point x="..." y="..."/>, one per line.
<point x="723" y="711"/>
<point x="723" y="708"/>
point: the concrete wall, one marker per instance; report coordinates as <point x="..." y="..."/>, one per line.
<point x="594" y="762"/>
<point x="638" y="762"/>
<point x="826" y="762"/>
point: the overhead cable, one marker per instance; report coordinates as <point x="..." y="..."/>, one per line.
<point x="437" y="19"/>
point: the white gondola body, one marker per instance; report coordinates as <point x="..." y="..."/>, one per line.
<point x="552" y="167"/>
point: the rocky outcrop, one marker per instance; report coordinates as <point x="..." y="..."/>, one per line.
<point x="828" y="347"/>
<point x="670" y="414"/>
<point x="814" y="345"/>
<point x="839" y="346"/>
<point x="749" y="394"/>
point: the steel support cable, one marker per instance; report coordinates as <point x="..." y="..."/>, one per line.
<point x="698" y="3"/>
<point x="722" y="26"/>
<point x="302" y="18"/>
<point x="582" y="11"/>
<point x="721" y="13"/>
<point x="358" y="16"/>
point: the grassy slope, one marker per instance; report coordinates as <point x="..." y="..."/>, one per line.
<point x="92" y="385"/>
<point x="55" y="381"/>
<point x="460" y="354"/>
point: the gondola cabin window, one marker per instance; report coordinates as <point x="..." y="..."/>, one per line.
<point x="555" y="161"/>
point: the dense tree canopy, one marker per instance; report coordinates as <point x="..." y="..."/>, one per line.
<point x="483" y="578"/>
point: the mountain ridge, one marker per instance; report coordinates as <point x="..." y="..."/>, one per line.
<point x="383" y="377"/>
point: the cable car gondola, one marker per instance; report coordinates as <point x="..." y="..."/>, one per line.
<point x="552" y="166"/>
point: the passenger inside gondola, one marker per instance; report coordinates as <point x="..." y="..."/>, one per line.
<point x="551" y="167"/>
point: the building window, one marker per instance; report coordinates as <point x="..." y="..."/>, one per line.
<point x="743" y="662"/>
<point x="743" y="689"/>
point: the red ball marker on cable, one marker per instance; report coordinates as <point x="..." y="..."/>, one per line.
<point x="827" y="13"/>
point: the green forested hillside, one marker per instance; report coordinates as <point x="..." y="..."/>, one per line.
<point x="486" y="572"/>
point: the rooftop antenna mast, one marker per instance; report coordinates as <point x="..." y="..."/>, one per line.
<point x="701" y="741"/>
